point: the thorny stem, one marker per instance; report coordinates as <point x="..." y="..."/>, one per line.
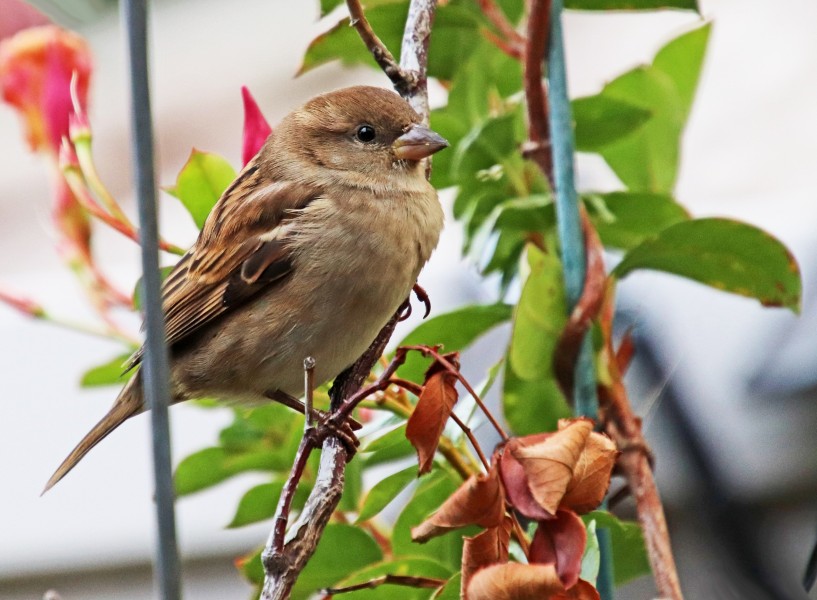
<point x="428" y="351"/>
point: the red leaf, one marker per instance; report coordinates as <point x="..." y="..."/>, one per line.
<point x="560" y="542"/>
<point x="488" y="548"/>
<point x="426" y="423"/>
<point x="256" y="128"/>
<point x="478" y="501"/>
<point x="515" y="480"/>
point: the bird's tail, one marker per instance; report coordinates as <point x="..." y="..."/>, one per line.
<point x="128" y="404"/>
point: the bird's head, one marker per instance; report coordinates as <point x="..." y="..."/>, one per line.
<point x="359" y="131"/>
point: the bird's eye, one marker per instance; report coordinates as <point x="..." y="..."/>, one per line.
<point x="365" y="133"/>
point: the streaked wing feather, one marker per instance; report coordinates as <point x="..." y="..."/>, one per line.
<point x="238" y="254"/>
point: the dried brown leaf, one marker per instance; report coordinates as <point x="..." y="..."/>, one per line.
<point x="434" y="406"/>
<point x="478" y="501"/>
<point x="591" y="475"/>
<point x="549" y="464"/>
<point x="514" y="581"/>
<point x="560" y="542"/>
<point x="581" y="591"/>
<point x="515" y="481"/>
<point x="488" y="548"/>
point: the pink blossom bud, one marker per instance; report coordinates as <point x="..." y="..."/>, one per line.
<point x="36" y="67"/>
<point x="256" y="128"/>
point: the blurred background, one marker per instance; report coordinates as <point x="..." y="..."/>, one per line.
<point x="726" y="388"/>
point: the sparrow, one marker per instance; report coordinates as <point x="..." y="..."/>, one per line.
<point x="309" y="252"/>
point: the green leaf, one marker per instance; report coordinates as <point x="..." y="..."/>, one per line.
<point x="343" y="549"/>
<point x="540" y="317"/>
<point x="352" y="487"/>
<point x="451" y="590"/>
<point x="727" y="255"/>
<point x="390" y="447"/>
<point x="384" y="491"/>
<point x="137" y="289"/>
<point x="591" y="559"/>
<point x="433" y="490"/>
<point x="456" y="34"/>
<point x="201" y="182"/>
<point x="630" y="558"/>
<point x="250" y="566"/>
<point x="631" y="4"/>
<point x="601" y="120"/>
<point x="647" y="159"/>
<point x="257" y="504"/>
<point x="109" y="373"/>
<point x="410" y="566"/>
<point x="343" y="43"/>
<point x="626" y="219"/>
<point x="208" y="467"/>
<point x="532" y="406"/>
<point x="455" y="330"/>
<point x="494" y="142"/>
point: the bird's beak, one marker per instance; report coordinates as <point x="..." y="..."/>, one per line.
<point x="417" y="143"/>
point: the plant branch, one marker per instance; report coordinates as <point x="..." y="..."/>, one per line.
<point x="404" y="580"/>
<point x="511" y="38"/>
<point x="538" y="30"/>
<point x="625" y="428"/>
<point x="283" y="565"/>
<point x="378" y="50"/>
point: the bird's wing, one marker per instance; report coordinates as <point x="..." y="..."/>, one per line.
<point x="241" y="250"/>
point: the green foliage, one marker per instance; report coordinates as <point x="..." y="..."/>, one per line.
<point x="631" y="4"/>
<point x="411" y="566"/>
<point x="455" y="331"/>
<point x="201" y="182"/>
<point x="647" y="160"/>
<point x="343" y="549"/>
<point x="384" y="491"/>
<point x="591" y="560"/>
<point x="629" y="553"/>
<point x="724" y="254"/>
<point x="625" y="219"/>
<point x="430" y="494"/>
<point x="109" y="373"/>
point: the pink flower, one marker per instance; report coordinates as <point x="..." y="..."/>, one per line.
<point x="36" y="66"/>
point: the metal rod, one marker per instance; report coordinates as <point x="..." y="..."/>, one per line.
<point x="155" y="369"/>
<point x="574" y="256"/>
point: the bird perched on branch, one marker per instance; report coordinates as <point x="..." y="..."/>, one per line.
<point x="309" y="252"/>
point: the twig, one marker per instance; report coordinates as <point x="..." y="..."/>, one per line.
<point x="377" y="48"/>
<point x="284" y="561"/>
<point x="625" y="428"/>
<point x="414" y="56"/>
<point x="428" y="351"/>
<point x="404" y="580"/>
<point x="515" y="41"/>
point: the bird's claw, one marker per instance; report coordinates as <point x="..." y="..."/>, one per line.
<point x="422" y="296"/>
<point x="328" y="426"/>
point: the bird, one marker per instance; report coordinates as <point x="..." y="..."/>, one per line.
<point x="309" y="252"/>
